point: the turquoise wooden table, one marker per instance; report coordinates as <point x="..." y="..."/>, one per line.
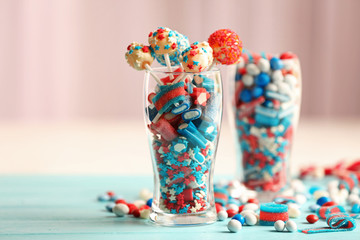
<point x="65" y="207"/>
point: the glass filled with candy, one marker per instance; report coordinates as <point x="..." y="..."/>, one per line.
<point x="183" y="113"/>
<point x="266" y="95"/>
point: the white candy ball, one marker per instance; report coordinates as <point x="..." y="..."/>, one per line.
<point x="294" y="212"/>
<point x="145" y="213"/>
<point x="264" y="65"/>
<point x="291" y="80"/>
<point x="300" y="198"/>
<point x="234" y="225"/>
<point x="250" y="219"/>
<point x="248" y="80"/>
<point x="333" y="184"/>
<point x="233" y="207"/>
<point x="252" y="69"/>
<point x="284" y="88"/>
<point x="246" y="212"/>
<point x="291" y="226"/>
<point x="288" y="64"/>
<point x="251" y="206"/>
<point x="344" y="193"/>
<point x="139" y="203"/>
<point x="320" y="193"/>
<point x="355" y="190"/>
<point x="279" y="225"/>
<point x="272" y="87"/>
<point x="145" y="194"/>
<point x="298" y="186"/>
<point x="277" y="76"/>
<point x="353" y="198"/>
<point x="241" y="63"/>
<point x="222" y="215"/>
<point x="120" y="209"/>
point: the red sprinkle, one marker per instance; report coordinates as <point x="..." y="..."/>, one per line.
<point x="145" y="49"/>
<point x="150" y="34"/>
<point x="161" y="37"/>
<point x="173" y="46"/>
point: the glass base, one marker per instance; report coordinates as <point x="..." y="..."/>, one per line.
<point x="190" y="219"/>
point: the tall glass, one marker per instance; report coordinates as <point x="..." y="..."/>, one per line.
<point x="183" y="114"/>
<point x="266" y="95"/>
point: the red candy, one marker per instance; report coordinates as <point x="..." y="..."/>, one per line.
<point x="165" y="129"/>
<point x="120" y="201"/>
<point x="253" y="200"/>
<point x="218" y="207"/>
<point x="328" y="204"/>
<point x="110" y="193"/>
<point x="312" y="218"/>
<point x="231" y="213"/>
<point x="241" y="208"/>
<point x="200" y="96"/>
<point x="131" y="207"/>
<point x="136" y="213"/>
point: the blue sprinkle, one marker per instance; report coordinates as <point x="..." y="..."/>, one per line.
<point x="167" y="46"/>
<point x="186" y="59"/>
<point x="196" y="63"/>
<point x="157" y="47"/>
<point x="154" y="34"/>
<point x="195" y="43"/>
<point x="204" y="50"/>
<point x="137" y="47"/>
<point x="170" y="34"/>
<point x="131" y="51"/>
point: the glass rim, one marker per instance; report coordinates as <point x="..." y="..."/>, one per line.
<point x="164" y="70"/>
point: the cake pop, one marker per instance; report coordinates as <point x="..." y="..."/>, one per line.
<point x="226" y="45"/>
<point x="197" y="57"/>
<point x="139" y="57"/>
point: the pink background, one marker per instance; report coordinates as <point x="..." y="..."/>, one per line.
<point x="64" y="59"/>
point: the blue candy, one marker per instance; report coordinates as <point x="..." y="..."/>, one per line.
<point x="240" y="218"/>
<point x="110" y="206"/>
<point x="189" y="131"/>
<point x="191" y="114"/>
<point x="151" y="112"/>
<point x="321" y="201"/>
<point x="262" y="79"/>
<point x="246" y="95"/>
<point x="103" y="198"/>
<point x="313" y="207"/>
<point x="276" y="64"/>
<point x="179" y="146"/>
<point x="355" y="208"/>
<point x="257" y="92"/>
<point x="277" y="96"/>
<point x="149" y="202"/>
<point x="314" y="189"/>
<point x="212" y="108"/>
<point x="266" y="120"/>
<point x="208" y="129"/>
<point x="184" y="106"/>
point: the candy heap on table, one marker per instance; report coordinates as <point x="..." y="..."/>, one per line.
<point x="184" y="112"/>
<point x="267" y="99"/>
<point x="333" y="208"/>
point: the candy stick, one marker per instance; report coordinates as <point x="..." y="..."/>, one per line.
<point x="156" y="118"/>
<point x="168" y="65"/>
<point x="157" y="79"/>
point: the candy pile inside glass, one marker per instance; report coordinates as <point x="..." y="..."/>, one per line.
<point x="267" y="101"/>
<point x="184" y="139"/>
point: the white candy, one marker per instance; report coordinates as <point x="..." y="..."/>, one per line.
<point x="279" y="225"/>
<point x="145" y="194"/>
<point x="277" y="76"/>
<point x="291" y="226"/>
<point x="344" y="193"/>
<point x="290" y="79"/>
<point x="355" y="190"/>
<point x="120" y="209"/>
<point x="298" y="186"/>
<point x="248" y="80"/>
<point x="251" y="206"/>
<point x="288" y="64"/>
<point x="264" y="65"/>
<point x="284" y="88"/>
<point x="139" y="203"/>
<point x="318" y="172"/>
<point x="294" y="212"/>
<point x="272" y="87"/>
<point x="222" y="215"/>
<point x="252" y="69"/>
<point x="300" y="198"/>
<point x="241" y="63"/>
<point x="234" y="225"/>
<point x="353" y="198"/>
<point x="320" y="193"/>
<point x="293" y="205"/>
<point x="246" y="212"/>
<point x="250" y="219"/>
<point x="233" y="207"/>
<point x="145" y="213"/>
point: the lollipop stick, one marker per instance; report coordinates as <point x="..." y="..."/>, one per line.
<point x="157" y="79"/>
<point x="211" y="66"/>
<point x="168" y="65"/>
<point x="156" y="118"/>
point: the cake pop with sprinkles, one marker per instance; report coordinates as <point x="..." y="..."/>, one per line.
<point x="197" y="57"/>
<point x="140" y="58"/>
<point x="226" y="45"/>
<point x="182" y="44"/>
<point x="164" y="43"/>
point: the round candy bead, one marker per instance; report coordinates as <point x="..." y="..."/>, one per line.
<point x="139" y="203"/>
<point x="294" y="212"/>
<point x="110" y="206"/>
<point x="222" y="215"/>
<point x="272" y="87"/>
<point x="251" y="206"/>
<point x="264" y="65"/>
<point x="300" y="198"/>
<point x="118" y="201"/>
<point x="355" y="208"/>
<point x="234" y="225"/>
<point x="240" y="218"/>
<point x="322" y="200"/>
<point x="262" y="79"/>
<point x="246" y="95"/>
<point x="328" y="204"/>
<point x="120" y="210"/>
<point x="291" y="226"/>
<point x="276" y="63"/>
<point x="132" y="207"/>
<point x="279" y="225"/>
<point x="252" y="69"/>
<point x="145" y="213"/>
<point x="257" y="92"/>
<point x="248" y="80"/>
<point x="320" y="193"/>
<point x="253" y="200"/>
<point x="218" y="207"/>
<point x="277" y="76"/>
<point x="103" y="198"/>
<point x="233" y="207"/>
<point x="149" y="202"/>
<point x="313" y="207"/>
<point x="313" y="189"/>
<point x="145" y="194"/>
<point x="250" y="219"/>
<point x="231" y="212"/>
<point x="312" y="218"/>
